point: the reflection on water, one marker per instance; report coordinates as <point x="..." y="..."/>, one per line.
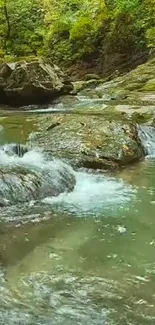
<point x="82" y="258"/>
<point x="16" y="128"/>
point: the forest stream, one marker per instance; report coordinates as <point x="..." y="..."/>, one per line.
<point x="84" y="257"/>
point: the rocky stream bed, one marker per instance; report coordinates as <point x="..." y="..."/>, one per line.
<point x="77" y="195"/>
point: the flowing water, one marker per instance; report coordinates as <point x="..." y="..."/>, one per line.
<point x="84" y="257"/>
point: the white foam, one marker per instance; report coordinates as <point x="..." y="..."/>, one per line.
<point x="32" y="158"/>
<point x="93" y="193"/>
<point x="147" y="136"/>
<point x="54" y="175"/>
<point x="88" y="100"/>
<point x="49" y="109"/>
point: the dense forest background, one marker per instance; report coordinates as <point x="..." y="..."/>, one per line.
<point x="70" y="31"/>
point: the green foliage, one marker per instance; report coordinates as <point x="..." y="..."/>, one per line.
<point x="150" y="36"/>
<point x="70" y="30"/>
<point x="20" y="24"/>
<point x="82" y="28"/>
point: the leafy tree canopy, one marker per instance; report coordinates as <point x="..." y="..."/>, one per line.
<point x="71" y="30"/>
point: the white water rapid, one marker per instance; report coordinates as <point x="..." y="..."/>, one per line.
<point x="28" y="174"/>
<point x="147" y="136"/>
<point x="93" y="194"/>
<point x="91" y="191"/>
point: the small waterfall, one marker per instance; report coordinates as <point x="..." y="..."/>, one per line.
<point x="93" y="195"/>
<point x="17" y="149"/>
<point x="27" y="174"/>
<point x="147" y="137"/>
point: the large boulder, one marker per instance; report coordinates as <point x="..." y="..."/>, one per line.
<point x="31" y="82"/>
<point x="90" y="141"/>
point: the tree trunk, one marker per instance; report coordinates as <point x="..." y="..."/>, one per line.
<point x="7" y="23"/>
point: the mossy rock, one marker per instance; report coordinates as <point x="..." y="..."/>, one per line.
<point x="91" y="83"/>
<point x="91" y="76"/>
<point x="149" y="86"/>
<point x="140" y="79"/>
<point x="142" y="118"/>
<point x="91" y="141"/>
<point x="30" y="82"/>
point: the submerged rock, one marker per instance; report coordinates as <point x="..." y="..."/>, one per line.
<point x="32" y="82"/>
<point x="92" y="141"/>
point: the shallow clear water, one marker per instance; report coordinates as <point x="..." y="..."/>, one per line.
<point x="86" y="257"/>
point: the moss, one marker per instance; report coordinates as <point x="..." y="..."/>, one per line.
<point x="109" y="114"/>
<point x="134" y="86"/>
<point x="100" y="140"/>
<point x="10" y="59"/>
<point x="91" y="76"/>
<point x="150" y="86"/>
<point x="91" y="83"/>
<point x="141" y="118"/>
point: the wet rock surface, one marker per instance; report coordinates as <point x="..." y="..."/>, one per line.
<point x="31" y="82"/>
<point x="91" y="141"/>
<point x="86" y="262"/>
<point x="132" y="94"/>
<point x="23" y="181"/>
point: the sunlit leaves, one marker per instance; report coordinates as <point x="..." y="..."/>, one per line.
<point x="69" y="29"/>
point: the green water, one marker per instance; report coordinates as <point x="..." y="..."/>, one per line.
<point x="16" y="127"/>
<point x="84" y="261"/>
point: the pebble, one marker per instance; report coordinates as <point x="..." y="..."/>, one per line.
<point x="121" y="229"/>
